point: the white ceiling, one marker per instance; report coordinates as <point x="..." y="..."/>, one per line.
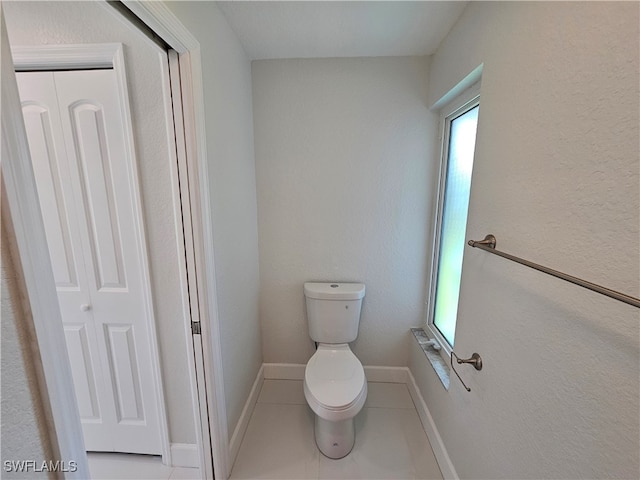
<point x="311" y="29"/>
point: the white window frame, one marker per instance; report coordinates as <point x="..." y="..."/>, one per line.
<point x="464" y="102"/>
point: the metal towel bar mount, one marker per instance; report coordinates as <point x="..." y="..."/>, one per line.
<point x="489" y="245"/>
<point x="475" y="360"/>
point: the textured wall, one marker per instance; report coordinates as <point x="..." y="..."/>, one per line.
<point x="24" y="430"/>
<point x="226" y="72"/>
<point x="556" y="180"/>
<point x="36" y="23"/>
<point x="344" y="159"/>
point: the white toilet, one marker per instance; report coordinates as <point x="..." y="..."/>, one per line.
<point x="334" y="383"/>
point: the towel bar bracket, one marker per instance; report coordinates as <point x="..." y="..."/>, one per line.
<point x="489" y="241"/>
<point x="475" y="360"/>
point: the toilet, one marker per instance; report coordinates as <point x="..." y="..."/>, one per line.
<point x="334" y="382"/>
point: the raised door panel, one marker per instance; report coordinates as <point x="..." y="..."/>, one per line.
<point x="96" y="136"/>
<point x="125" y="373"/>
<point x="37" y="118"/>
<point x="84" y="378"/>
<point x="94" y="163"/>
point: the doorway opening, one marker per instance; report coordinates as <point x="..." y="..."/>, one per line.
<point x="195" y="268"/>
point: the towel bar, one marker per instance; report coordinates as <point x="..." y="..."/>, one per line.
<point x="488" y="244"/>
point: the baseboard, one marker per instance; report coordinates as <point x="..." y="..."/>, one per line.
<point x="243" y="421"/>
<point x="386" y="374"/>
<point x="439" y="450"/>
<point x="185" y="455"/>
<point x="283" y="371"/>
<point x="295" y="371"/>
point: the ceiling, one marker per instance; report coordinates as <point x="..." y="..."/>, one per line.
<point x="311" y="29"/>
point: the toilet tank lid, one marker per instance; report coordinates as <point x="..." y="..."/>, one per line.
<point x="334" y="291"/>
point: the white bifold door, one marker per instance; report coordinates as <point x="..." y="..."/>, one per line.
<point x="82" y="160"/>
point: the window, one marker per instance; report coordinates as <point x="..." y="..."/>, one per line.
<point x="458" y="147"/>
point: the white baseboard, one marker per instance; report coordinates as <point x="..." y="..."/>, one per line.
<point x="439" y="450"/>
<point x="386" y="374"/>
<point x="283" y="371"/>
<point x="185" y="455"/>
<point x="243" y="421"/>
<point x="295" y="371"/>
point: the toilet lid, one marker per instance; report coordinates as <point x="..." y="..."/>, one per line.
<point x="334" y="376"/>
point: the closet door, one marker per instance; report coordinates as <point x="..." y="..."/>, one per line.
<point x="78" y="143"/>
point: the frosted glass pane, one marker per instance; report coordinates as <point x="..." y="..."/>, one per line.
<point x="462" y="141"/>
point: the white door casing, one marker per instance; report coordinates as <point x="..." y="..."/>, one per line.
<point x="83" y="165"/>
<point x="213" y="414"/>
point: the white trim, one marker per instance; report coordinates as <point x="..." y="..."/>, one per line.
<point x="59" y="57"/>
<point x="475" y="76"/>
<point x="185" y="455"/>
<point x="180" y="175"/>
<point x="162" y="21"/>
<point x="466" y="100"/>
<point x="111" y="55"/>
<point x="283" y="371"/>
<point x="205" y="267"/>
<point x="437" y="445"/>
<point x="182" y="211"/>
<point x="135" y="186"/>
<point x="164" y="24"/>
<point x="295" y="371"/>
<point x="386" y="374"/>
<point x="245" y="416"/>
<point x="23" y="207"/>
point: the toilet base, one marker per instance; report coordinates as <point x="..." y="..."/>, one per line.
<point x="335" y="439"/>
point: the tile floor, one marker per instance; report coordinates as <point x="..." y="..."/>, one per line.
<point x="125" y="466"/>
<point x="279" y="442"/>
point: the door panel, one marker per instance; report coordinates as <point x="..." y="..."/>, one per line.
<point x="98" y="196"/>
<point x="126" y="378"/>
<point x="83" y="164"/>
<point x="83" y="377"/>
<point x="37" y="119"/>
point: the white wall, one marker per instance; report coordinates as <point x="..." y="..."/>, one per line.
<point x="556" y="180"/>
<point x="24" y="421"/>
<point x="36" y="23"/>
<point x="344" y="159"/>
<point x="226" y="72"/>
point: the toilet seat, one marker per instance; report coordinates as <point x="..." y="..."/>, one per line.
<point x="335" y="385"/>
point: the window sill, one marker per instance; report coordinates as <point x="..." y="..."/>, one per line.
<point x="435" y="359"/>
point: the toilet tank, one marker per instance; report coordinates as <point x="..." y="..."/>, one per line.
<point x="333" y="311"/>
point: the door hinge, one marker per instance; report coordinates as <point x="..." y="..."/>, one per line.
<point x="195" y="328"/>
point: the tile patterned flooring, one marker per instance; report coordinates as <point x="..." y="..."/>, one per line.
<point x="279" y="442"/>
<point x="125" y="466"/>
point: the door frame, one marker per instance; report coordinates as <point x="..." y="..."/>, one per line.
<point x="111" y="56"/>
<point x="24" y="212"/>
<point x="213" y="413"/>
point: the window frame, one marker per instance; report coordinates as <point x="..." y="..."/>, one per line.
<point x="464" y="102"/>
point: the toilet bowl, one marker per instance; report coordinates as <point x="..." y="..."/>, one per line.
<point x="335" y="387"/>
